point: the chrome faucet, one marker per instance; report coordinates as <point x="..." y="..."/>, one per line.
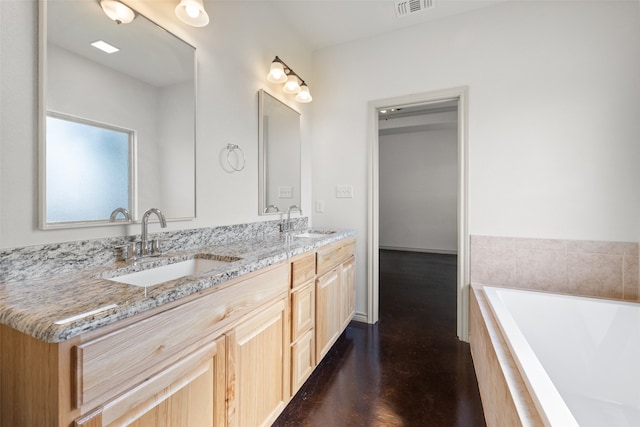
<point x="144" y="235"/>
<point x="292" y="208"/>
<point x="123" y="211"/>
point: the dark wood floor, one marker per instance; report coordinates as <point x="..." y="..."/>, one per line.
<point x="407" y="370"/>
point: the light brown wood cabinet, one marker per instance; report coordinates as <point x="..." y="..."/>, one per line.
<point x="233" y="355"/>
<point x="348" y="287"/>
<point x="257" y="367"/>
<point x="335" y="293"/>
<point x="303" y="319"/>
<point x="191" y="392"/>
<point x="328" y="324"/>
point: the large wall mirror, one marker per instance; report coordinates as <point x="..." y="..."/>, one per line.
<point x="117" y="129"/>
<point x="279" y="155"/>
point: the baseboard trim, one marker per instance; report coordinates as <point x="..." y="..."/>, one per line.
<point x="360" y="317"/>
<point x="430" y="251"/>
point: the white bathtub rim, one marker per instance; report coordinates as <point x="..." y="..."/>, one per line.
<point x="550" y="405"/>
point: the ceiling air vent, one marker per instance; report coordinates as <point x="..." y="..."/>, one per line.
<point x="409" y="7"/>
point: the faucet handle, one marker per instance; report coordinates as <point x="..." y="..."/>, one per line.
<point x="155" y="247"/>
<point x="127" y="252"/>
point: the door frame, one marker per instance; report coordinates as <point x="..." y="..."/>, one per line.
<point x="460" y="94"/>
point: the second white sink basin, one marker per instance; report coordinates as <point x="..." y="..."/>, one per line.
<point x="157" y="275"/>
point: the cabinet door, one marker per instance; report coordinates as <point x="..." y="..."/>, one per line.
<point x="302" y="360"/>
<point x="328" y="326"/>
<point x="189" y="393"/>
<point x="348" y="283"/>
<point x="303" y="310"/>
<point x="258" y="374"/>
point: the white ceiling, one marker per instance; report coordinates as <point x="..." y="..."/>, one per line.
<point x="323" y="23"/>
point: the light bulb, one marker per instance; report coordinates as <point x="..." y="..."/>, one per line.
<point x="292" y="85"/>
<point x="192" y="10"/>
<point x="276" y="73"/>
<point x="117" y="11"/>
<point x="304" y="95"/>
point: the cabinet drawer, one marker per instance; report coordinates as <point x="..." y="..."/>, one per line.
<point x="194" y="385"/>
<point x="112" y="364"/>
<point x="333" y="254"/>
<point x="303" y="269"/>
<point x="303" y="307"/>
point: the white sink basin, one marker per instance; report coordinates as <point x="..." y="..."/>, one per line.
<point x="157" y="275"/>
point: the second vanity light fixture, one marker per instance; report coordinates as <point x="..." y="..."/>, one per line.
<point x="282" y="73"/>
<point x="192" y="12"/>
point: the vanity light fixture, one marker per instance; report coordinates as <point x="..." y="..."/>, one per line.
<point x="192" y="12"/>
<point x="119" y="12"/>
<point x="279" y="72"/>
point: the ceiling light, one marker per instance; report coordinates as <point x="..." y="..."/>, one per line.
<point x="192" y="12"/>
<point x="117" y="11"/>
<point x="104" y="46"/>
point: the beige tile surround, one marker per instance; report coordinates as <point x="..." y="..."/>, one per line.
<point x="591" y="268"/>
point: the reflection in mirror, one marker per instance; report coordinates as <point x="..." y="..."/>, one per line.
<point x="279" y="155"/>
<point x="92" y="159"/>
<point x="142" y="95"/>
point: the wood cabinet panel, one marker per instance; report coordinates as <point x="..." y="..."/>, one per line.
<point x="348" y="297"/>
<point x="110" y="365"/>
<point x="302" y="360"/>
<point x="328" y="325"/>
<point x="303" y="310"/>
<point x="258" y="379"/>
<point x="333" y="254"/>
<point x="303" y="269"/>
<point x="191" y="393"/>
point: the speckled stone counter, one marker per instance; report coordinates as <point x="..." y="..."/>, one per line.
<point x="63" y="305"/>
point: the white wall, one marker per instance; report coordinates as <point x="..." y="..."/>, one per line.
<point x="234" y="53"/>
<point x="554" y="116"/>
<point x="418" y="189"/>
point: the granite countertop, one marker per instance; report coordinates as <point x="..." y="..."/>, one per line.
<point x="55" y="309"/>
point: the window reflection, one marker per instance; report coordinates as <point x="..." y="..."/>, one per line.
<point x="88" y="169"/>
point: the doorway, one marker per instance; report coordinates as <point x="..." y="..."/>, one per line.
<point x="454" y="96"/>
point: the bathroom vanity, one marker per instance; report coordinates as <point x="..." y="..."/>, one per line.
<point x="224" y="347"/>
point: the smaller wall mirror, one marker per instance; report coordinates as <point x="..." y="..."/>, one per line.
<point x="279" y="155"/>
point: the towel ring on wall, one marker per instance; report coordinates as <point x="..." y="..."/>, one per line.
<point x="231" y="148"/>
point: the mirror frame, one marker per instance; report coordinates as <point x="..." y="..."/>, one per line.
<point x="262" y="158"/>
<point x="43" y="112"/>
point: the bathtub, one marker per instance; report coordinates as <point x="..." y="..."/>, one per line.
<point x="579" y="357"/>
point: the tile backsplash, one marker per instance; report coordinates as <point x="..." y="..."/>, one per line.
<point x="591" y="268"/>
<point x="31" y="262"/>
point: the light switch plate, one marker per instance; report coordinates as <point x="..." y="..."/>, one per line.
<point x="285" y="192"/>
<point x="319" y="206"/>
<point x="344" y="191"/>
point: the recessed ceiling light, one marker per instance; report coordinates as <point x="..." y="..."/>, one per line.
<point x="104" y="46"/>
